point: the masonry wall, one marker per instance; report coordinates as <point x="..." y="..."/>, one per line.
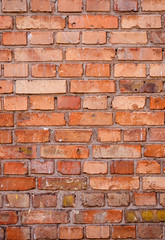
<point x="82" y="119"/>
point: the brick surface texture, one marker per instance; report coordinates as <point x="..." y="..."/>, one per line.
<point x="82" y="136"/>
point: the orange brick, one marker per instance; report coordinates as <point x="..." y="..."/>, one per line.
<point x="43" y="70"/>
<point x="16" y="70"/>
<point x="92" y="86"/>
<point x="97" y="70"/>
<point x="109" y="135"/>
<point x="148" y="167"/>
<point x="88" y="119"/>
<point x="17" y="200"/>
<point x="15" y="168"/>
<point x="157" y="70"/>
<point x="7" y="120"/>
<point x="130" y="70"/>
<point x="41" y="6"/>
<point x="145" y="199"/>
<point x="152" y="5"/>
<point x="157" y="134"/>
<point x="15" y="103"/>
<point x="157" y="102"/>
<point x="6" y="22"/>
<point x="17" y="183"/>
<point x="42" y="102"/>
<point x="93" y="22"/>
<point x="6" y="86"/>
<point x="42" y="167"/>
<point x="123" y="232"/>
<point x="67" y="37"/>
<point x="128" y="37"/>
<point x="5" y="137"/>
<point x="14" y="233"/>
<point x="40" y="22"/>
<point x="14" y="152"/>
<point x="95" y="167"/>
<point x="14" y="6"/>
<point x="14" y="38"/>
<point x="154" y="151"/>
<point x="70" y="135"/>
<point x="141" y="21"/>
<point x="97" y="232"/>
<point x="139" y="118"/>
<point x="69" y="168"/>
<point x="122" y="167"/>
<point x="41" y="38"/>
<point x="64" y="151"/>
<point x="29" y="135"/>
<point x="114" y="183"/>
<point x="154" y="183"/>
<point x="39" y="119"/>
<point x="99" y="102"/>
<point x="135" y="135"/>
<point x="70" y="70"/>
<point x="128" y="103"/>
<point x="90" y="54"/>
<point x="37" y="54"/>
<point x="128" y="6"/>
<point x="70" y="5"/>
<point x="5" y="55"/>
<point x="94" y="37"/>
<point x="71" y="233"/>
<point x="69" y="102"/>
<point x="98" y="6"/>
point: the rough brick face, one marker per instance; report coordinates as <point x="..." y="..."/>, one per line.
<point x="82" y="136"/>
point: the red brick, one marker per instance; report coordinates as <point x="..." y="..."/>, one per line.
<point x="154" y="183"/>
<point x="130" y="70"/>
<point x="73" y="135"/>
<point x="64" y="184"/>
<point x="44" y="201"/>
<point x="128" y="102"/>
<point x="152" y="5"/>
<point x="16" y="70"/>
<point x="14" y="38"/>
<point x="39" y="119"/>
<point x="98" y="6"/>
<point x="64" y="151"/>
<point x="162" y="199"/>
<point x="157" y="70"/>
<point x="69" y="102"/>
<point x="93" y="199"/>
<point x="118" y="199"/>
<point x="148" y="167"/>
<point x="69" y="167"/>
<point x="43" y="70"/>
<point x="93" y="22"/>
<point x="95" y="102"/>
<point x="97" y="70"/>
<point x="92" y="86"/>
<point x="42" y="102"/>
<point x="70" y="5"/>
<point x="157" y="134"/>
<point x="97" y="216"/>
<point x="41" y="6"/>
<point x="71" y="233"/>
<point x="122" y="167"/>
<point x="16" y="168"/>
<point x="145" y="199"/>
<point x="14" y="152"/>
<point x="114" y="183"/>
<point x="70" y="70"/>
<point x="109" y="135"/>
<point x="141" y="21"/>
<point x="6" y="86"/>
<point x="29" y="135"/>
<point x="150" y="231"/>
<point x="157" y="103"/>
<point x="94" y="37"/>
<point x="135" y="135"/>
<point x="37" y="54"/>
<point x="40" y="22"/>
<point x="140" y="118"/>
<point x="17" y="200"/>
<point x="5" y="55"/>
<point x="5" y="137"/>
<point x="154" y="151"/>
<point x="96" y="232"/>
<point x="92" y="118"/>
<point x="123" y="232"/>
<point x="128" y="37"/>
<point x="157" y="37"/>
<point x="125" y="6"/>
<point x="18" y="233"/>
<point x="17" y="183"/>
<point x="95" y="167"/>
<point x="41" y="38"/>
<point x="116" y="151"/>
<point x="14" y="6"/>
<point x="7" y="217"/>
<point x="7" y="120"/>
<point x="6" y="22"/>
<point x="45" y="232"/>
<point x="67" y="37"/>
<point x="42" y="167"/>
<point x="43" y="217"/>
<point x="15" y="103"/>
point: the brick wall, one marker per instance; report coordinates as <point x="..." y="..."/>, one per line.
<point x="82" y="137"/>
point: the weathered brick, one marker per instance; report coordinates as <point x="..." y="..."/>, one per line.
<point x="154" y="183"/>
<point x="152" y="5"/>
<point x="93" y="199"/>
<point x="70" y="5"/>
<point x="14" y="152"/>
<point x="69" y="102"/>
<point x="6" y="22"/>
<point x="5" y="137"/>
<point x="64" y="151"/>
<point x="148" y="167"/>
<point x="162" y="199"/>
<point x="42" y="38"/>
<point x="150" y="231"/>
<point x="93" y="22"/>
<point x="157" y="102"/>
<point x="42" y="167"/>
<point x="95" y="102"/>
<point x="43" y="70"/>
<point x="70" y="70"/>
<point x="14" y="200"/>
<point x="95" y="232"/>
<point x="95" y="167"/>
<point x="97" y="70"/>
<point x="29" y="135"/>
<point x="71" y="232"/>
<point x="14" y="6"/>
<point x="41" y="6"/>
<point x="69" y="167"/>
<point x="123" y="232"/>
<point x="157" y="37"/>
<point x="98" y="6"/>
<point x="44" y="200"/>
<point x="126" y="6"/>
<point x="148" y="215"/>
<point x="7" y="217"/>
<point x="154" y="151"/>
<point x="17" y="183"/>
<point x="94" y="37"/>
<point x="135" y="135"/>
<point x="68" y="200"/>
<point x="14" y="38"/>
<point x="122" y="167"/>
<point x="42" y="102"/>
<point x="67" y="37"/>
<point x="109" y="135"/>
<point x="45" y="232"/>
<point x="128" y="38"/>
<point x="114" y="183"/>
<point x="130" y="70"/>
<point x="16" y="233"/>
<point x="145" y="199"/>
<point x="15" y="103"/>
<point x="118" y="199"/>
<point x="157" y="134"/>
<point x="128" y="103"/>
<point x="15" y="168"/>
<point x="157" y="70"/>
<point x="73" y="135"/>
